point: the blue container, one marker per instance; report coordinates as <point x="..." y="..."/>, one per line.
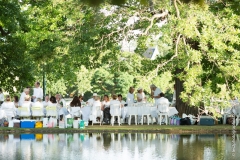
<point x="206" y="121"/>
<point x="81" y="124"/>
<point x="27" y="136"/>
<point x="27" y="124"/>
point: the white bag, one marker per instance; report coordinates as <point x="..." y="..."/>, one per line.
<point x="10" y="123"/>
<point x="45" y="122"/>
<point x="75" y="124"/>
<point x="62" y="124"/>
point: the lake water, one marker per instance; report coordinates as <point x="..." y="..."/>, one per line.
<point x="118" y="146"/>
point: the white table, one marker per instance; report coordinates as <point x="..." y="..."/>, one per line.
<point x="152" y="109"/>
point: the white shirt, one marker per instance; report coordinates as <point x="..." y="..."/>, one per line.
<point x="106" y="104"/>
<point x="97" y="103"/>
<point x="122" y="103"/>
<point x="156" y="93"/>
<point x="9" y="108"/>
<point x="38" y="93"/>
<point x="22" y="98"/>
<point x="90" y="102"/>
<point x="1" y="97"/>
<point x="130" y="98"/>
<point x="141" y="96"/>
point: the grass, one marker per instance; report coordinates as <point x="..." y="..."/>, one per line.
<point x="133" y="128"/>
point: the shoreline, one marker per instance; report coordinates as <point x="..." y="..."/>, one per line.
<point x="192" y="129"/>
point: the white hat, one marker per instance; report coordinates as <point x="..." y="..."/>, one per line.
<point x="139" y="89"/>
<point x="94" y="94"/>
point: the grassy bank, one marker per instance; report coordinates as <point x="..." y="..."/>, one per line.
<point x="130" y="129"/>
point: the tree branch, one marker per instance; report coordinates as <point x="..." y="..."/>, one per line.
<point x="174" y="56"/>
<point x="155" y="16"/>
<point x="176" y="7"/>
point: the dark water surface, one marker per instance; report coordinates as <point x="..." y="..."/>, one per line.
<point x="118" y="146"/>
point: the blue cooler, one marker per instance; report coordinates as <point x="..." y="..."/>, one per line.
<point x="27" y="136"/>
<point x="206" y="121"/>
<point x="27" y="124"/>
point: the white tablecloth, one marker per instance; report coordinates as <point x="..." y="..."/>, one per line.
<point x="86" y="111"/>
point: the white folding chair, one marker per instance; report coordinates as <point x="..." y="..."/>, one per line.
<point x="96" y="113"/>
<point x="75" y="112"/>
<point x="37" y="112"/>
<point x="132" y="111"/>
<point x="52" y="111"/>
<point x="24" y="111"/>
<point x="163" y="111"/>
<point x="115" y="111"/>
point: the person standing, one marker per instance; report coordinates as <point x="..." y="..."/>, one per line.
<point x="23" y="95"/>
<point x="141" y="95"/>
<point x="155" y="93"/>
<point x="130" y="96"/>
<point x="37" y="92"/>
<point x="1" y="96"/>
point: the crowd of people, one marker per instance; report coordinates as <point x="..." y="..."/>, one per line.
<point x="36" y="99"/>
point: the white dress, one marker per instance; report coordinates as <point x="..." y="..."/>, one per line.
<point x="141" y="96"/>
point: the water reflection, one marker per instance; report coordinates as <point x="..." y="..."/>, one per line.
<point x="102" y="146"/>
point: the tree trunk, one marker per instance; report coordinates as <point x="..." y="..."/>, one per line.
<point x="181" y="106"/>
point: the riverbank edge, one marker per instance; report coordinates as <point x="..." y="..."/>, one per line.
<point x="134" y="129"/>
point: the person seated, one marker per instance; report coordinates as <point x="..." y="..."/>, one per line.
<point x="105" y="102"/>
<point x="91" y="100"/>
<point x="26" y="104"/>
<point x="62" y="103"/>
<point x="123" y="103"/>
<point x="162" y="100"/>
<point x="81" y="100"/>
<point x="9" y="108"/>
<point x="96" y="104"/>
<point x="75" y="103"/>
<point x="141" y="95"/>
<point x="114" y="101"/>
<point x="163" y="105"/>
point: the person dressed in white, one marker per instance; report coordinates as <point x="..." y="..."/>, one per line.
<point x="113" y="102"/>
<point x="60" y="100"/>
<point x="141" y="95"/>
<point x="163" y="105"/>
<point x="96" y="108"/>
<point x="27" y="104"/>
<point x="123" y="109"/>
<point x="155" y="93"/>
<point x="1" y="96"/>
<point x="9" y="108"/>
<point x="105" y="102"/>
<point x="37" y="92"/>
<point x="130" y="96"/>
<point x="91" y="100"/>
<point x="23" y="95"/>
